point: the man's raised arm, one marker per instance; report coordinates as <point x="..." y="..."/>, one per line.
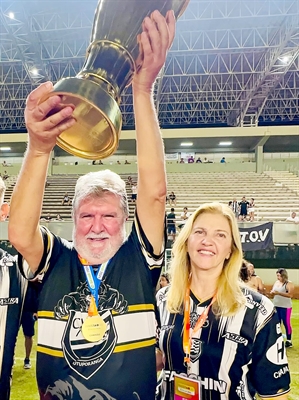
<point x="27" y="198"/>
<point x="155" y="40"/>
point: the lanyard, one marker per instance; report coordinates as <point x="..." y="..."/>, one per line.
<point x="94" y="281"/>
<point x="188" y="331"/>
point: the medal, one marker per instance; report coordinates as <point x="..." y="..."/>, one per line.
<point x="94" y="328"/>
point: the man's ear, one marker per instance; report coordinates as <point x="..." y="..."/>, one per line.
<point x="4" y="211"/>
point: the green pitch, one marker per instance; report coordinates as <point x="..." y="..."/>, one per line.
<point x="293" y="353"/>
<point x="24" y="385"/>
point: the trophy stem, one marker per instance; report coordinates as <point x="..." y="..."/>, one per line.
<point x="109" y="62"/>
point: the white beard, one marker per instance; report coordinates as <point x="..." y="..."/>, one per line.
<point x="104" y="255"/>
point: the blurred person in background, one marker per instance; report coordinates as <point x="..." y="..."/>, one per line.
<point x="172" y="199"/>
<point x="251" y="209"/>
<point x="255" y="282"/>
<point x="282" y="291"/>
<point x="164" y="280"/>
<point x="293" y="218"/>
<point x="12" y="294"/>
<point x="171" y="227"/>
<point x="29" y="316"/>
<point x="244" y="273"/>
<point x="184" y="216"/>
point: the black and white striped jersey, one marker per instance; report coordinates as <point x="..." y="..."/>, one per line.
<point x="233" y="357"/>
<point x="12" y="293"/>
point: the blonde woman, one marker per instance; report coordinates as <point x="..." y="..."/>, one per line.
<point x="217" y="338"/>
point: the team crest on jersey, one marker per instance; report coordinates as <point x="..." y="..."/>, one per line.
<point x="196" y="349"/>
<point x="84" y="357"/>
<point x="194" y="318"/>
<point x="7" y="260"/>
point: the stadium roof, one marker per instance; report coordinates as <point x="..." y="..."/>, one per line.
<point x="233" y="64"/>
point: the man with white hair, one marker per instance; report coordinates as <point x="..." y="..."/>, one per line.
<point x="12" y="293"/>
<point x="96" y="317"/>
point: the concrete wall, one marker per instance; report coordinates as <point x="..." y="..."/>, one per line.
<point x="236" y="162"/>
<point x="170" y="167"/>
<point x="286" y="164"/>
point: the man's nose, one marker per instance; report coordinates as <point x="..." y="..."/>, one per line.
<point x="97" y="225"/>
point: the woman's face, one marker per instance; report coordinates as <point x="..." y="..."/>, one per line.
<point x="250" y="268"/>
<point x="163" y="282"/>
<point x="279" y="277"/>
<point x="210" y="242"/>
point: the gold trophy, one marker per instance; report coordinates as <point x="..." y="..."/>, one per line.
<point x="112" y="58"/>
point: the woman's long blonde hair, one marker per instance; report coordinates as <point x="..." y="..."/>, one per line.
<point x="229" y="295"/>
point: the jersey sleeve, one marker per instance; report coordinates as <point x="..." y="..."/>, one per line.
<point x="154" y="261"/>
<point x="269" y="370"/>
<point x="48" y="239"/>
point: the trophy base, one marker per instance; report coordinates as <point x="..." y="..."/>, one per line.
<point x="95" y="135"/>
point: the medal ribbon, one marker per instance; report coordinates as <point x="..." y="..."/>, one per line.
<point x="188" y="331"/>
<point x="94" y="282"/>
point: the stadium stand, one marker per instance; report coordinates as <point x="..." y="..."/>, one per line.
<point x="275" y="196"/>
<point x="286" y="178"/>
